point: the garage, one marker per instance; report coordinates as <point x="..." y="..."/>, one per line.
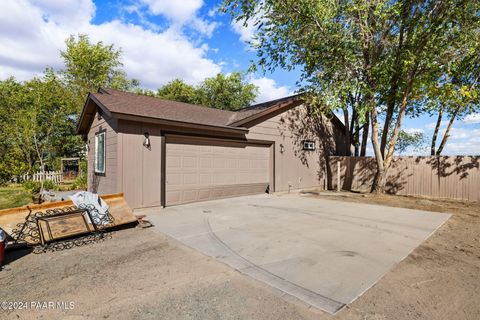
<point x="206" y="169"/>
<point x="159" y="152"/>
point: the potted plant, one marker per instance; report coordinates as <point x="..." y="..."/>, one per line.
<point x="37" y="196"/>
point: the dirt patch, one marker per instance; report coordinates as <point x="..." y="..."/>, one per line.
<point x="139" y="274"/>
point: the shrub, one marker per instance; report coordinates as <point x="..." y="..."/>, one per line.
<point x="32" y="186"/>
<point x="35" y="186"/>
<point x="81" y="181"/>
<point x="48" y="185"/>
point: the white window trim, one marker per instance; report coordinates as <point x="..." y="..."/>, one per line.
<point x="104" y="152"/>
<point x="309" y="145"/>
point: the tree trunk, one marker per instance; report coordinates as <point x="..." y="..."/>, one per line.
<point x="379" y="180"/>
<point x="394" y="82"/>
<point x="447" y="132"/>
<point x="357" y="137"/>
<point x="363" y="148"/>
<point x="401" y="115"/>
<point x="347" y="132"/>
<point x="435" y="132"/>
<point x="386" y="126"/>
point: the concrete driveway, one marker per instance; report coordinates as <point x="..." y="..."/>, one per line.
<point x="325" y="253"/>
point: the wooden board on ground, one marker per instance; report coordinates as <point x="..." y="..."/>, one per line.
<point x="119" y="210"/>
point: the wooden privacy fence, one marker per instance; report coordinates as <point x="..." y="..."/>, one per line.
<point x="55" y="176"/>
<point x="456" y="177"/>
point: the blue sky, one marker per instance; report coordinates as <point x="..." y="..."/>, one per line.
<point x="161" y="40"/>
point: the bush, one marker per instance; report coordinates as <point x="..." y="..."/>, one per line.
<point x="81" y="181"/>
<point x="32" y="186"/>
<point x="35" y="186"/>
<point x="48" y="185"/>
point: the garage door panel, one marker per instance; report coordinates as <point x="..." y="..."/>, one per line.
<point x="196" y="172"/>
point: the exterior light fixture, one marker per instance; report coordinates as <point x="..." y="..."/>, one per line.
<point x="282" y="148"/>
<point x="146" y="141"/>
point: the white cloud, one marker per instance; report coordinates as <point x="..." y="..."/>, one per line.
<point x="462" y="148"/>
<point x="247" y="29"/>
<point x="181" y="13"/>
<point x="33" y="32"/>
<point x="269" y="89"/>
<point x="462" y="141"/>
<point x="413" y="130"/>
<point x="432" y="125"/>
<point x="247" y="32"/>
<point x="472" y="118"/>
<point x="177" y="11"/>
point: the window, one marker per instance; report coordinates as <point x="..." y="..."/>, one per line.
<point x="308" y="145"/>
<point x="100" y="152"/>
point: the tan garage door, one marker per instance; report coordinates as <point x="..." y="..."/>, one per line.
<point x="207" y="170"/>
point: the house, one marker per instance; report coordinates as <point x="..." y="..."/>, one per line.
<point x="162" y="153"/>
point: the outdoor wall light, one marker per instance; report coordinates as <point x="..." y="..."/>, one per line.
<point x="146" y="141"/>
<point x="282" y="148"/>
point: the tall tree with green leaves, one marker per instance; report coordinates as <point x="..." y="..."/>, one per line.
<point x="387" y="50"/>
<point x="227" y="92"/>
<point x="90" y="66"/>
<point x="38" y="123"/>
<point x="456" y="92"/>
<point x="178" y="90"/>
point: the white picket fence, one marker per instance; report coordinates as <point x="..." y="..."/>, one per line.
<point x="55" y="176"/>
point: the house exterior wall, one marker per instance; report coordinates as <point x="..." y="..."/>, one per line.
<point x="140" y="167"/>
<point x="107" y="183"/>
<point x="296" y="168"/>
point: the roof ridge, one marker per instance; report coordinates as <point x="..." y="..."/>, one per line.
<point x="269" y="102"/>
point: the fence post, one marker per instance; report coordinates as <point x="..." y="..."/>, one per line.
<point x="338" y="176"/>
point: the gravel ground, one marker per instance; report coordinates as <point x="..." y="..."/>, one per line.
<point x="139" y="274"/>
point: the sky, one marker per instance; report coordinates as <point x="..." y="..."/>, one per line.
<point x="162" y="40"/>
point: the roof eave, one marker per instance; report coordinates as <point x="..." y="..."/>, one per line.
<point x="88" y="112"/>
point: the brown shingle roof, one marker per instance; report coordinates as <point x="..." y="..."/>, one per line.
<point x="128" y="103"/>
<point x="151" y="107"/>
<point x="131" y="104"/>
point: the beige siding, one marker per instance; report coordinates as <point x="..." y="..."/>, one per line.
<point x="296" y="168"/>
<point x="211" y="170"/>
<point x="103" y="184"/>
<point x="433" y="177"/>
<point x="140" y="167"/>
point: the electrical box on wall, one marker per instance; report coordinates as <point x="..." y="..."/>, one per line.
<point x="308" y="145"/>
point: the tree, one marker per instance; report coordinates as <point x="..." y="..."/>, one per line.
<point x="89" y="67"/>
<point x="178" y="90"/>
<point x="414" y="140"/>
<point x="227" y="92"/>
<point x="37" y="122"/>
<point x="456" y="93"/>
<point x="11" y="158"/>
<point x="387" y="50"/>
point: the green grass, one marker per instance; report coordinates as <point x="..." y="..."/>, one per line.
<point x="14" y="196"/>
